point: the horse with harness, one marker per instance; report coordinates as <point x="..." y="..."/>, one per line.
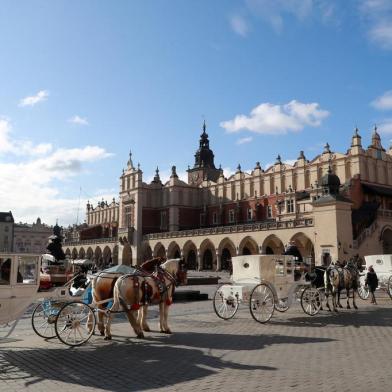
<point x="153" y="282"/>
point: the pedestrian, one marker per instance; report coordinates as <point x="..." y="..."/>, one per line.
<point x="372" y="282"/>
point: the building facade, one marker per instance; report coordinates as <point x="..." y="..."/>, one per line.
<point x="6" y="231"/>
<point x="31" y="238"/>
<point x="210" y="218"/>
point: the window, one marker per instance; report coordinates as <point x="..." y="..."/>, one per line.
<point x="269" y="211"/>
<point x="231" y="216"/>
<point x="249" y="214"/>
<point x="202" y="219"/>
<point x="290" y="206"/>
<point x="214" y="218"/>
<point x="163" y="220"/>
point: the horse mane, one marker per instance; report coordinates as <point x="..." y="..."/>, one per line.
<point x="150" y="265"/>
<point x="171" y="265"/>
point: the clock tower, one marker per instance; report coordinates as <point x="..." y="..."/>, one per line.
<point x="204" y="167"/>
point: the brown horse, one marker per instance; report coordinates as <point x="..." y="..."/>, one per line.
<point x="133" y="294"/>
<point x="103" y="286"/>
<point x="338" y="278"/>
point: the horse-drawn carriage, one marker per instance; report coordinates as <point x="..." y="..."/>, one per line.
<point x="265" y="283"/>
<point x="58" y="313"/>
<point x="382" y="265"/>
<point x="69" y="312"/>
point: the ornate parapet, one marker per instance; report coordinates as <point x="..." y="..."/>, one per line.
<point x="249" y="227"/>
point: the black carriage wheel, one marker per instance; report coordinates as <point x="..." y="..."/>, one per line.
<point x="262" y="303"/>
<point x="225" y="307"/>
<point x="75" y="323"/>
<point x="42" y="321"/>
<point x="311" y="301"/>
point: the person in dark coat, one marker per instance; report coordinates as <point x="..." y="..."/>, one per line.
<point x="372" y="282"/>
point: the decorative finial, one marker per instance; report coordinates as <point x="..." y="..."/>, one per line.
<point x="138" y="166"/>
<point x="258" y="165"/>
<point x="204" y="126"/>
<point x="174" y="173"/>
<point x="301" y="155"/>
<point x="130" y="163"/>
<point x="278" y="160"/>
<point x="239" y="168"/>
<point x="156" y="177"/>
<point x="326" y="149"/>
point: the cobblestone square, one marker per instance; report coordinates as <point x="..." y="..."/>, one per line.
<point x="348" y="351"/>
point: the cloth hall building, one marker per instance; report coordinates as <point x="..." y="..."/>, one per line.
<point x="333" y="206"/>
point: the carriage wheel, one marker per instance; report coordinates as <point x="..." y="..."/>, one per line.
<point x="282" y="305"/>
<point x="389" y="287"/>
<point x="225" y="307"/>
<point x="72" y="327"/>
<point x="262" y="303"/>
<point x="43" y="322"/>
<point x="311" y="301"/>
<point x="363" y="291"/>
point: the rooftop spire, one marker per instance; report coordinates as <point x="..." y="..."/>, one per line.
<point x="130" y="163"/>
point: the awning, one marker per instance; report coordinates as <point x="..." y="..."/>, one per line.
<point x="377" y="189"/>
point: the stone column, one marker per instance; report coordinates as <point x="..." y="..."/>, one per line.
<point x="199" y="266"/>
<point x="218" y="260"/>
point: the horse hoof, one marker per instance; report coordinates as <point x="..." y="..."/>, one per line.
<point x="107" y="338"/>
<point x="146" y="329"/>
<point x="168" y="332"/>
<point x="336" y="311"/>
<point x="140" y="335"/>
<point x="355" y="307"/>
<point x="102" y="333"/>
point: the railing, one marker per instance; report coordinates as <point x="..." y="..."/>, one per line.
<point x="232" y="229"/>
<point x="87" y="242"/>
<point x="384" y="213"/>
<point x="381" y="213"/>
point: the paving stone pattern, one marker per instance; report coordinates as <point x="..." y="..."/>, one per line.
<point x="349" y="351"/>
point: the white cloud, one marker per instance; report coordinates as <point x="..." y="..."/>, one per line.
<point x="268" y="118"/>
<point x="18" y="147"/>
<point x="245" y="140"/>
<point x="78" y="120"/>
<point x="29" y="186"/>
<point x="385" y="126"/>
<point x="239" y="25"/>
<point x="5" y="129"/>
<point x="274" y="11"/>
<point x="384" y="102"/>
<point x="377" y="15"/>
<point x="34" y="99"/>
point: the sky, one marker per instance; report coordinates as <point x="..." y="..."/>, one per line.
<point x="84" y="82"/>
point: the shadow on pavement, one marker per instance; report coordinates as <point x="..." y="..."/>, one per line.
<point x="128" y="364"/>
<point x="379" y="317"/>
<point x="233" y="341"/>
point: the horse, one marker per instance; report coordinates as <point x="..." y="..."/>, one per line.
<point x="103" y="286"/>
<point x="351" y="279"/>
<point x="133" y="294"/>
<point x="338" y="277"/>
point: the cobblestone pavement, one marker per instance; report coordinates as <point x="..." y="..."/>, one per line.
<point x="349" y="351"/>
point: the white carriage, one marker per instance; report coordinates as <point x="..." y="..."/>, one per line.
<point x="59" y="313"/>
<point x="265" y="283"/>
<point x="382" y="265"/>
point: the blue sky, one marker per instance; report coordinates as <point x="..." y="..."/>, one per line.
<point x="82" y="82"/>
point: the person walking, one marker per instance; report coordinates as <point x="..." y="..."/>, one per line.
<point x="372" y="282"/>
